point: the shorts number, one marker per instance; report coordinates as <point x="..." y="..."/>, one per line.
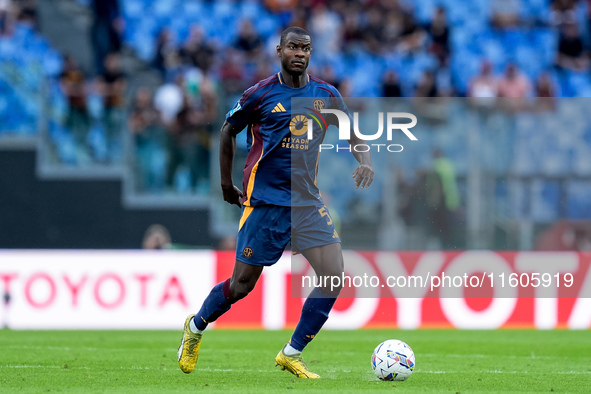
<point x="323" y="212"/>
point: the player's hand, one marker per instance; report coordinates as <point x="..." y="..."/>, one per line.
<point x="363" y="176"/>
<point x="232" y="195"/>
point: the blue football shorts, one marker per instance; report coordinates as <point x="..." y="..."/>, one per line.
<point x="266" y="230"/>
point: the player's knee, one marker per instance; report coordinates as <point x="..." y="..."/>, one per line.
<point x="333" y="282"/>
<point x="239" y="291"/>
<point x="336" y="275"/>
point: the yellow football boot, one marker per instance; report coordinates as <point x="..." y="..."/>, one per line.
<point x="294" y="364"/>
<point x="189" y="349"/>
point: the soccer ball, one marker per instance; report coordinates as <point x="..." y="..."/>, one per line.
<point x="393" y="360"/>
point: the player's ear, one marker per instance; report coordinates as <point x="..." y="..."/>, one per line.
<point x="279" y="50"/>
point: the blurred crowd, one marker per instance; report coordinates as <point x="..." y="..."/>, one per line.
<point x="387" y="48"/>
<point x="13" y="11"/>
<point x="173" y="124"/>
<point x="384" y="29"/>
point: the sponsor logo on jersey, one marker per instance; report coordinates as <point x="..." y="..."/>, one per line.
<point x="279" y="108"/>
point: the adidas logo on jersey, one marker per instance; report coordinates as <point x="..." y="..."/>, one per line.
<point x="278" y="108"/>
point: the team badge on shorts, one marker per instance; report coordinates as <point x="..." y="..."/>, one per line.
<point x="247" y="252"/>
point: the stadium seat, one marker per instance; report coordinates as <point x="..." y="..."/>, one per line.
<point x="579" y="205"/>
<point x="545" y="201"/>
<point x="133" y="9"/>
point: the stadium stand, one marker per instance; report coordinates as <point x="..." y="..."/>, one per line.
<point x="27" y="63"/>
<point x="433" y="46"/>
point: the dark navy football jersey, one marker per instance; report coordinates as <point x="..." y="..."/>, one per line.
<point x="282" y="162"/>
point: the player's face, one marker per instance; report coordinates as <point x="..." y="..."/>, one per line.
<point x="295" y="53"/>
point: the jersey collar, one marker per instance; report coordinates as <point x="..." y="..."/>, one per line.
<point x="281" y="79"/>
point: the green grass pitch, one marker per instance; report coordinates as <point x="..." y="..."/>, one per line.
<point x="243" y="361"/>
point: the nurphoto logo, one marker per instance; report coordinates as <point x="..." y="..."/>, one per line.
<point x="391" y="126"/>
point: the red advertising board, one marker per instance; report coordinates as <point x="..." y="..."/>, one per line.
<point x="156" y="290"/>
<point x="521" y="289"/>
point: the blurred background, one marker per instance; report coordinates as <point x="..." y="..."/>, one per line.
<point x="110" y="112"/>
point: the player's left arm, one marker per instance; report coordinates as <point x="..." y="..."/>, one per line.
<point x="364" y="173"/>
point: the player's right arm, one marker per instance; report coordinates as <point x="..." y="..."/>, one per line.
<point x="231" y="193"/>
<point x="237" y="119"/>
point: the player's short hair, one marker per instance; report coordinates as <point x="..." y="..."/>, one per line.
<point x="292" y="29"/>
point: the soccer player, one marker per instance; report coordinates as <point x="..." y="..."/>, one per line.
<point x="280" y="202"/>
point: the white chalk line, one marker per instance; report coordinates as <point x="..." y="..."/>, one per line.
<point x="421" y="355"/>
<point x="207" y="369"/>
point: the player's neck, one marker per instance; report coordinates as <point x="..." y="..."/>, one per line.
<point x="294" y="81"/>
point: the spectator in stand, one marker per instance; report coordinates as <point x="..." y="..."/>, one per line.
<point x="27" y="13"/>
<point x="545" y="93"/>
<point x="443" y="200"/>
<point x="505" y="13"/>
<point x="169" y="99"/>
<point x="373" y="31"/>
<point x="190" y="134"/>
<point x="484" y="87"/>
<point x="412" y="37"/>
<point x="150" y="141"/>
<point x="231" y="73"/>
<point x="352" y="29"/>
<point x="411" y="200"/>
<point x="196" y="51"/>
<point x="514" y="86"/>
<point x="106" y="31"/>
<point x="112" y="85"/>
<point x="157" y="237"/>
<point x="563" y="12"/>
<point x="325" y="26"/>
<point x="248" y="41"/>
<point x="427" y="86"/>
<point x="571" y="52"/>
<point x="391" y="84"/>
<point x="208" y="104"/>
<point x="182" y="146"/>
<point x="392" y="29"/>
<point x="514" y="83"/>
<point x="444" y="79"/>
<point x="6" y="17"/>
<point x="73" y="86"/>
<point x="166" y="57"/>
<point x="438" y="31"/>
<point x="484" y="84"/>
